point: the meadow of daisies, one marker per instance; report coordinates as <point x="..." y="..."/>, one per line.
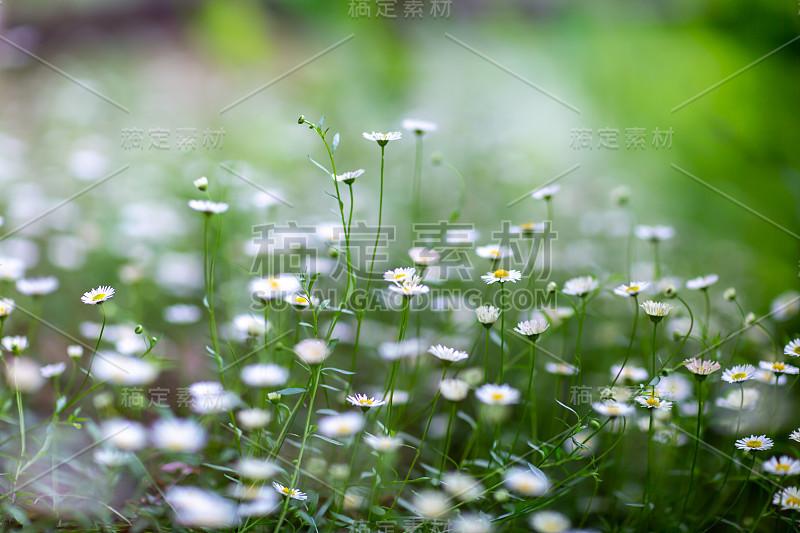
<point x="474" y="385"/>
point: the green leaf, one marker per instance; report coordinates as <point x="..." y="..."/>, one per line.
<point x="378" y="510"/>
<point x="325" y="170"/>
<point x="326" y="439"/>
<point x="335" y="144"/>
<point x="321" y="122"/>
<point x="338" y="370"/>
<point x="220" y="468"/>
<point x="290" y="391"/>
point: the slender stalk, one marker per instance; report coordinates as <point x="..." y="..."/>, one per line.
<point x="696" y="445"/>
<point x="486" y="359"/>
<point x="417" y="183"/>
<point x="578" y="364"/>
<point x="380" y="219"/>
<point x="530" y="403"/>
<point x="448" y="437"/>
<point x="404" y="313"/>
<point x="292" y="484"/>
<point x="630" y="342"/>
<point x="91" y="360"/>
<point x="421" y="443"/>
<point x="502" y="329"/>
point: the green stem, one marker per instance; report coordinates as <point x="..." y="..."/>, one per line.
<point x="502" y="329"/>
<point x="630" y="342"/>
<point x="447" y="439"/>
<point x="696" y="446"/>
<point x="380" y="219"/>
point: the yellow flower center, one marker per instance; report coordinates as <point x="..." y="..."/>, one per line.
<point x="494" y="253"/>
<point x="497" y="396"/>
<point x="739" y="375"/>
<point x="98" y="296"/>
<point x="792" y="501"/>
<point x="368" y="402"/>
<point x="633" y="288"/>
<point x="780" y="467"/>
<point x="613" y="410"/>
<point x="778" y="366"/>
<point x="797" y="349"/>
<point x="501" y="273"/>
<point x="301" y="300"/>
<point x="754" y="444"/>
<point x="653" y="402"/>
<point x="286" y="490"/>
<point x="398" y="276"/>
<point x="273" y="284"/>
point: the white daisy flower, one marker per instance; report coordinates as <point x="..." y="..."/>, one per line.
<point x="754" y="443"/>
<point x="6" y="307"/>
<point x="424" y="256"/>
<point x="24" y="375"/>
<point x="350" y="176"/>
<point x="399" y="275"/>
<point x="122" y="369"/>
<point x="739" y="373"/>
<point x="300" y="301"/>
<point x="778" y="367"/>
<point x="785" y="466"/>
<point x="697" y="366"/>
<point x="560" y="369"/>
<point x="124" y="434"/>
<point x="273" y="287"/>
<point x="255" y="469"/>
<point x="631" y="373"/>
<point x="411" y="287"/>
<point x="493" y="252"/>
<point x="702" y="282"/>
<point x="793" y="348"/>
<point x="769" y="377"/>
<point x="502" y="276"/>
<point x="450" y="355"/>
<point x="312" y="351"/>
<point x="364" y="401"/>
<point x="487" y="314"/>
<point x="532" y="328"/>
<point x="383" y="138"/>
<point x="201" y="508"/>
<point x="291" y="493"/>
<point x="549" y="522"/>
<point x="491" y="394"/>
<point x="341" y="425"/>
<point x="37" y="286"/>
<point x="98" y="295"/>
<point x="734" y="399"/>
<point x="788" y="499"/>
<point x="612" y="409"/>
<point x="654" y="233"/>
<point x="15" y="343"/>
<point x="56" y="369"/>
<point x="201" y="183"/>
<point x="656" y="310"/>
<point x="795" y="435"/>
<point x="525" y="482"/>
<point x="418" y="126"/>
<point x="253" y="418"/>
<point x="632" y="289"/>
<point x="208" y="207"/>
<point x="653" y="402"/>
<point x="454" y="390"/>
<point x="383" y="443"/>
<point x="178" y="435"/>
<point x="472" y="523"/>
<point x="264" y="375"/>
<point x="461" y="486"/>
<point x="580" y="286"/>
<point x="545" y="193"/>
<point x="785" y="306"/>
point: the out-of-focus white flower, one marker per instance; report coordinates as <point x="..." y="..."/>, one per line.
<point x="264" y="375"/>
<point x="15" y="343"/>
<point x="201" y="183"/>
<point x="788" y="499"/>
<point x="549" y="522"/>
<point x="472" y="523"/>
<point x="454" y="390"/>
<point x="383" y="443"/>
<point x="37" y="286"/>
<point x="431" y="504"/>
<point x="383" y="138"/>
<point x="423" y="256"/>
<point x="24" y="375"/>
<point x="632" y="289"/>
<point x="55" y="369"/>
<point x="562" y="369"/>
<point x="124" y="434"/>
<point x="6" y="307"/>
<point x="631" y="373"/>
<point x="702" y="282"/>
<point x="341" y="425"/>
<point x="178" y="435"/>
<point x="182" y="314"/>
<point x="545" y="193"/>
<point x="491" y="394"/>
<point x="312" y="351"/>
<point x="777" y="367"/>
<point x="410" y="287"/>
<point x="735" y="399"/>
<point x="122" y="369"/>
<point x="462" y="486"/>
<point x="256" y="469"/>
<point x="196" y="507"/>
<point x="493" y="252"/>
<point x="111" y="457"/>
<point x="612" y="409"/>
<point x="253" y="418"/>
<point x="75" y="351"/>
<point x="792" y="349"/>
<point x="785" y="306"/>
<point x="274" y="287"/>
<point x="250" y="326"/>
<point x="208" y="397"/>
<point x="11" y="269"/>
<point x="208" y="207"/>
<point x="580" y="286"/>
<point x="418" y="126"/>
<point x="526" y="482"/>
<point x="674" y="387"/>
<point x="654" y="233"/>
<point x="389" y="351"/>
<point x="785" y="466"/>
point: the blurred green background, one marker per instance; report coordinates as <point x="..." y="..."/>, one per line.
<point x="179" y="64"/>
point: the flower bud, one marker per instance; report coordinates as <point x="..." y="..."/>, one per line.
<point x="301" y="119"/>
<point x="138" y="329"/>
<point x="729" y="294"/>
<point x="670" y="291"/>
<point x="552" y="287"/>
<point x="201" y="183"/>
